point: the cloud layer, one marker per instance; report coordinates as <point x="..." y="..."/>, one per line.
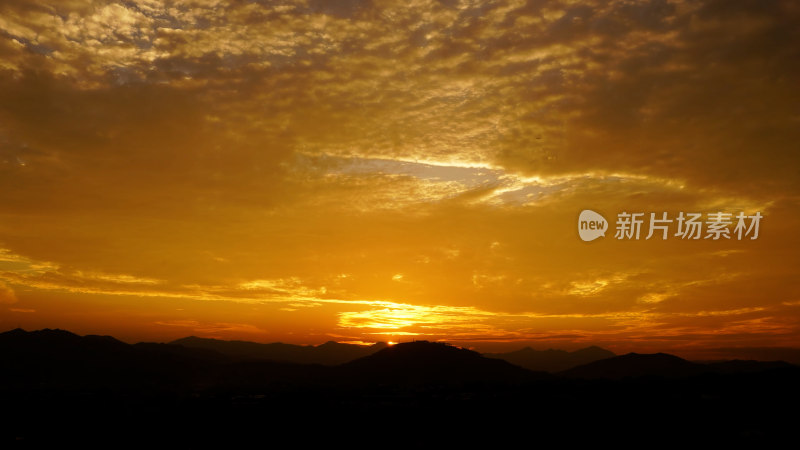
<point x="367" y="169"/>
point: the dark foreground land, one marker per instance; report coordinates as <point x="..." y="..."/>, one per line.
<point x="59" y="387"/>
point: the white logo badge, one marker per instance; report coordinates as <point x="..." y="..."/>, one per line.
<point x="591" y="225"/>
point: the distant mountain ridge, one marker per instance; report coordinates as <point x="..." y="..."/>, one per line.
<point x="330" y="353"/>
<point x="418" y="361"/>
<point x="552" y="360"/>
<point x="53" y="357"/>
<point x="57" y="356"/>
<point x="59" y="384"/>
<point x="635" y="365"/>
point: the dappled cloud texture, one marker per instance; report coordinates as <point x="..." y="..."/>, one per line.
<point x="373" y="170"/>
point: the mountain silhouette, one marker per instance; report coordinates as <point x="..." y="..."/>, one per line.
<point x="552" y="360"/>
<point x="62" y="387"/>
<point x="790" y="355"/>
<point x="63" y="359"/>
<point x="744" y="366"/>
<point x="53" y="356"/>
<point x="421" y="362"/>
<point x="634" y="365"/>
<point x="330" y="353"/>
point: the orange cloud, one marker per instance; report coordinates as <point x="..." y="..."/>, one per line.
<point x="366" y="167"/>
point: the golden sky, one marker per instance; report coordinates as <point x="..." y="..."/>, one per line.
<point x="353" y="170"/>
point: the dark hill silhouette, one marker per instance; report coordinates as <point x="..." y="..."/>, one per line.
<point x="63" y="387"/>
<point x="58" y="358"/>
<point x="59" y="345"/>
<point x="635" y="365"/>
<point x="199" y="354"/>
<point x="664" y="365"/>
<point x="330" y="353"/>
<point x="790" y="355"/>
<point x="62" y="358"/>
<point x="422" y="362"/>
<point x="552" y="360"/>
<point x="745" y="366"/>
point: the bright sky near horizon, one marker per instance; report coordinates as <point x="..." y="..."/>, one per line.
<point x="309" y="170"/>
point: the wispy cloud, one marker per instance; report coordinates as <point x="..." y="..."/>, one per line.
<point x="241" y="154"/>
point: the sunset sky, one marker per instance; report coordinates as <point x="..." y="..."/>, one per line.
<point x="352" y="170"/>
